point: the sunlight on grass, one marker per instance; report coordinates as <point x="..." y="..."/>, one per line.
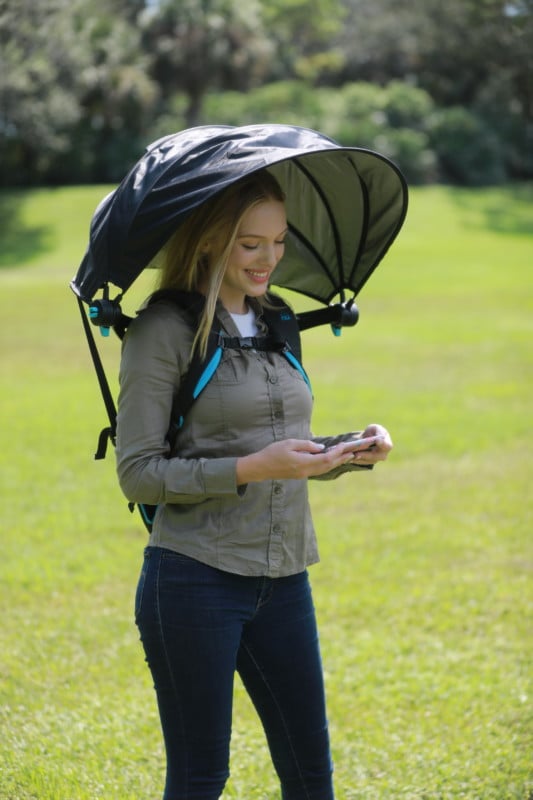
<point x="424" y="592"/>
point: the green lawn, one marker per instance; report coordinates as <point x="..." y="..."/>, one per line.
<point x="424" y="592"/>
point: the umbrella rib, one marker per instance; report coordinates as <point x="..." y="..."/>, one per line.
<point x="338" y="249"/>
<point x="364" y="229"/>
<point x="311" y="249"/>
<point x="366" y="222"/>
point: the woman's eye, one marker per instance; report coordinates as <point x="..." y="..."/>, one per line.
<point x="256" y="246"/>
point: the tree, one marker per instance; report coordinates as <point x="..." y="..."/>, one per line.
<point x="38" y="103"/>
<point x="477" y="54"/>
<point x="197" y="45"/>
<point x="305" y="35"/>
<point x="73" y="90"/>
<point x="117" y="96"/>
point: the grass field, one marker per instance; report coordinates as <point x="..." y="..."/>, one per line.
<point x="424" y="592"/>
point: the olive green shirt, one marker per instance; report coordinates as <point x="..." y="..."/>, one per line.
<point x="253" y="399"/>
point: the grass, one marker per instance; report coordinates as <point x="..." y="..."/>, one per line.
<point x="424" y="592"/>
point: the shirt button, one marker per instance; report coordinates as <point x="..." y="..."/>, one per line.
<point x="276" y="528"/>
<point x="278" y="488"/>
<point x="273" y="378"/>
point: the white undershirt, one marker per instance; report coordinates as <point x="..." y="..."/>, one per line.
<point x="246" y="323"/>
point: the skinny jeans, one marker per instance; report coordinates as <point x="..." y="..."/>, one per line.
<point x="199" y="625"/>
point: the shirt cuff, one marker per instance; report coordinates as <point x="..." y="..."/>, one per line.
<point x="220" y="477"/>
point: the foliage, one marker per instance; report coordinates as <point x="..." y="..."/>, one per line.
<point x="393" y="121"/>
<point x="467" y="151"/>
<point x="478" y="55"/>
<point x="83" y="86"/>
<point x="39" y="99"/>
<point x="398" y="120"/>
<point x="304" y="33"/>
<point x="291" y="102"/>
<point x="424" y="592"/>
<point x="197" y="45"/>
<point x="73" y="90"/>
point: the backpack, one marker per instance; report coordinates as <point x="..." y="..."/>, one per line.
<point x="283" y="337"/>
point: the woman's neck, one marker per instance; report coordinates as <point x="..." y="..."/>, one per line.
<point x="235" y="304"/>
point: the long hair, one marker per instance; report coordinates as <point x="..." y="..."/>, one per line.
<point x="198" y="252"/>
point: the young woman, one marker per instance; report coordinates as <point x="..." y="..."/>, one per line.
<point x="224" y="584"/>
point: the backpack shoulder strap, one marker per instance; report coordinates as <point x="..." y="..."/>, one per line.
<point x="284" y="337"/>
<point x="200" y="370"/>
<point x="283" y="325"/>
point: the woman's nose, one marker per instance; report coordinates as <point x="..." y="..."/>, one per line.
<point x="269" y="257"/>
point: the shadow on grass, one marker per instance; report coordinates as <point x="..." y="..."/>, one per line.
<point x="20" y="240"/>
<point x="506" y="210"/>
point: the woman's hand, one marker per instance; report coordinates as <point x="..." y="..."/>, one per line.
<point x="376" y="450"/>
<point x="291" y="459"/>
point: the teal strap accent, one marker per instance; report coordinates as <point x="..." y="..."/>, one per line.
<point x="147" y="513"/>
<point x="337" y="330"/>
<point x="296" y="364"/>
<point x="208" y="372"/>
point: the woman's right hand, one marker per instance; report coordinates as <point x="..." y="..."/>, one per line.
<point x="294" y="459"/>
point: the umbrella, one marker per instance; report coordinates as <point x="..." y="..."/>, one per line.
<point x="345" y="206"/>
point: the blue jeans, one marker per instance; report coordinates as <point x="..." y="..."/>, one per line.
<point x="198" y="625"/>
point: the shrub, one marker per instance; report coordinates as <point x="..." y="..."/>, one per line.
<point x="289" y="102"/>
<point x="406" y="106"/>
<point x="399" y="120"/>
<point x="393" y="121"/>
<point x="469" y="152"/>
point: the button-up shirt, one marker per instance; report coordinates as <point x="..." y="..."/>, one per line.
<point x="253" y="399"/>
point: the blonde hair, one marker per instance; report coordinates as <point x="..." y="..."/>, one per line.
<point x="197" y="254"/>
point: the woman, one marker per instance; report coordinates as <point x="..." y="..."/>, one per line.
<point x="224" y="585"/>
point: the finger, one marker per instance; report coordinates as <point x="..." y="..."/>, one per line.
<point x="384" y="444"/>
<point x="307" y="446"/>
<point x="370" y="456"/>
<point x="335" y="456"/>
<point x="363" y="444"/>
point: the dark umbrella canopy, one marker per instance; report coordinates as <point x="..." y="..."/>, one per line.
<point x="345" y="205"/>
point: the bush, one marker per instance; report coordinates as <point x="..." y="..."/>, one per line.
<point x="406" y="106"/>
<point x="468" y="151"/>
<point x="411" y="151"/>
<point x="288" y="102"/>
<point x="499" y="107"/>
<point x="399" y="120"/>
<point x="362" y="118"/>
<point x="391" y="120"/>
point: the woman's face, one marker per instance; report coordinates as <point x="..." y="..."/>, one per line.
<point x="258" y="248"/>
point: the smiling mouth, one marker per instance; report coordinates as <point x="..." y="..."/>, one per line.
<point x="259" y="276"/>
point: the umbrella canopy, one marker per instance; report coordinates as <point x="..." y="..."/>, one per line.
<point x="345" y="205"/>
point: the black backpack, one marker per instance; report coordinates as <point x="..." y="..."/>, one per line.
<point x="283" y="337"/>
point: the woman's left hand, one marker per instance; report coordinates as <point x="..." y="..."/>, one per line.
<point x="379" y="449"/>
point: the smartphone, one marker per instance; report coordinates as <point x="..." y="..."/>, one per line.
<point x="359" y="444"/>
